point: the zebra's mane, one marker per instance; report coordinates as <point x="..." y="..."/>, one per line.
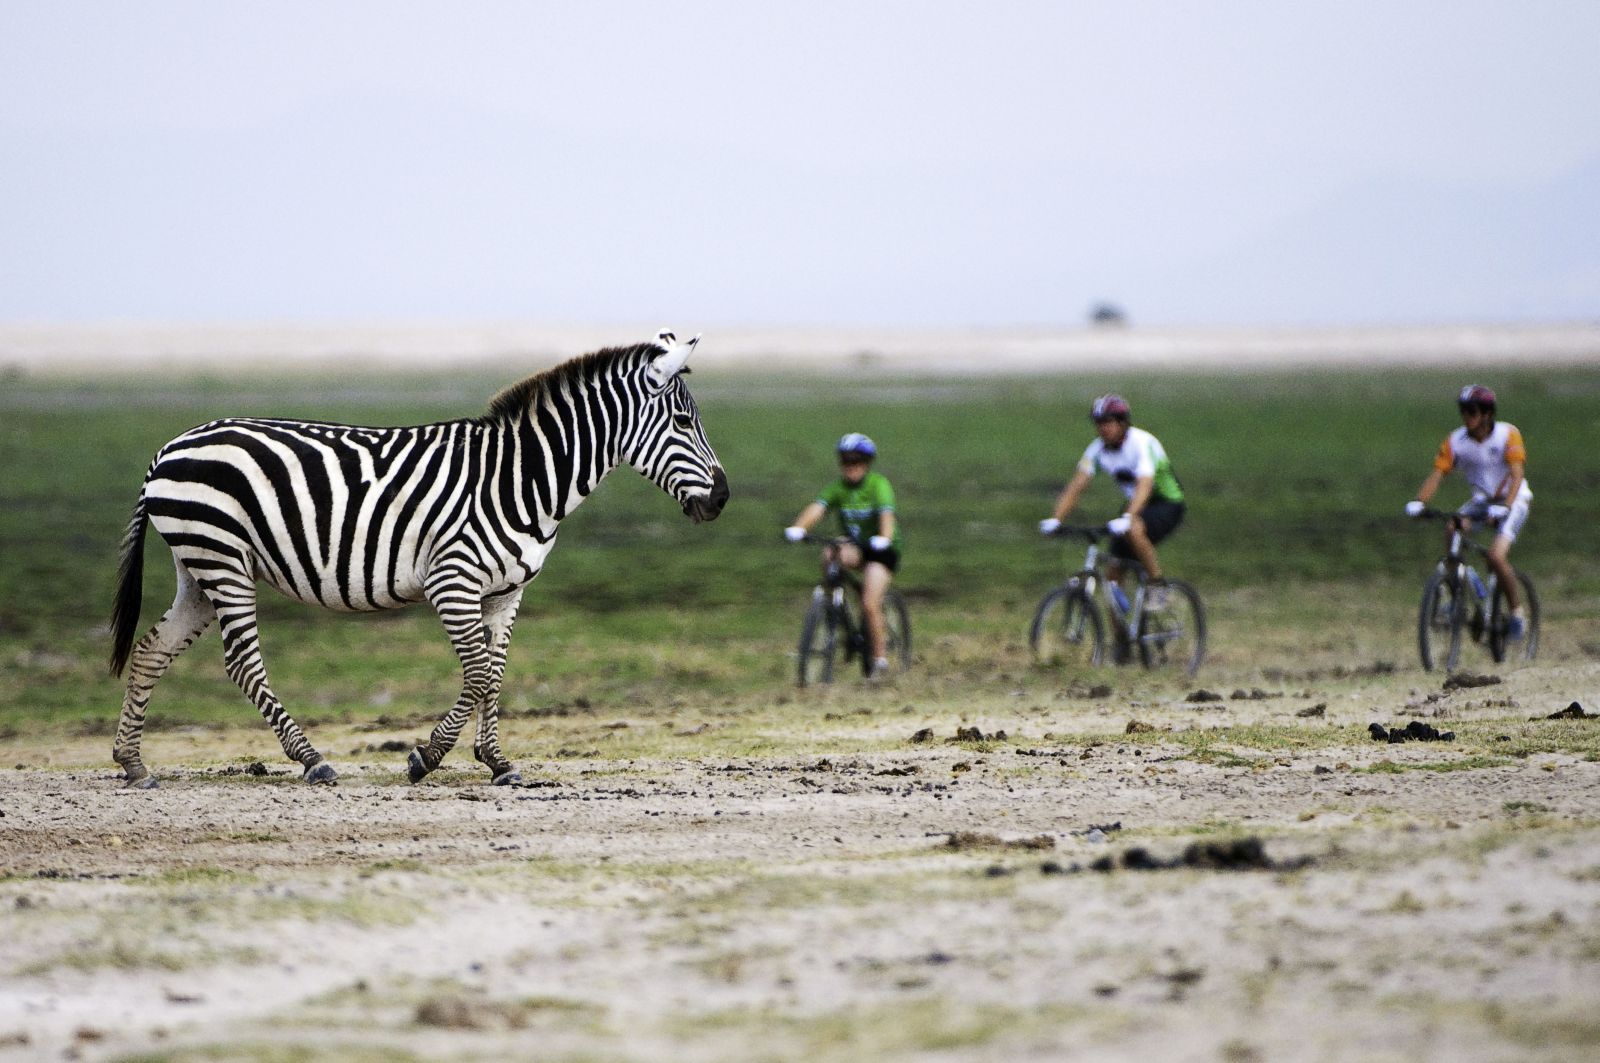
<point x="513" y="400"/>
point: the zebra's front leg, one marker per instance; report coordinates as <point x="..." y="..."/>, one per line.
<point x="234" y="598"/>
<point x="190" y="615"/>
<point x="499" y="614"/>
<point x="460" y="608"/>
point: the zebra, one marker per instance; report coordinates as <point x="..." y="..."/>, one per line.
<point x="461" y="513"/>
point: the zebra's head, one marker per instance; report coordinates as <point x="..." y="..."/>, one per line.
<point x="670" y="445"/>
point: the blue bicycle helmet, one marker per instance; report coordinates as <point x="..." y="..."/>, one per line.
<point x="856" y="443"/>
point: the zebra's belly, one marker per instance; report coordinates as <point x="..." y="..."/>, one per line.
<point x="352" y="595"/>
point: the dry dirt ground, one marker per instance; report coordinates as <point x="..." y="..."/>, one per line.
<point x="848" y="894"/>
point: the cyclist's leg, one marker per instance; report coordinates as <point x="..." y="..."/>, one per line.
<point x="875" y="579"/>
<point x="1500" y="551"/>
<point x="1144" y="551"/>
<point x="1159" y="520"/>
<point x="848" y="554"/>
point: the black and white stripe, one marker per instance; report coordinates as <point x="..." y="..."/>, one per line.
<point x="459" y="513"/>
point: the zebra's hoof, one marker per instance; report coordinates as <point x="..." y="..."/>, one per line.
<point x="143" y="782"/>
<point x="509" y="777"/>
<point x="321" y="772"/>
<point x="416" y="765"/>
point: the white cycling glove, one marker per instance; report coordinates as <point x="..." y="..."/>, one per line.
<point x="880" y="543"/>
<point x="1497" y="513"/>
<point x="794" y="533"/>
<point x="1119" y="525"/>
<point x="1414" y="508"/>
<point x="1048" y="526"/>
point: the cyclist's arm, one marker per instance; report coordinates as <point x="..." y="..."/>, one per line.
<point x="1513" y="482"/>
<point x="1425" y="493"/>
<point x="810" y="515"/>
<point x="886" y="523"/>
<point x="1069" y="497"/>
<point x="1141" y="495"/>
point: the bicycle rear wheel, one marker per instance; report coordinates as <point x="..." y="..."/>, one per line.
<point x="1440" y="620"/>
<point x="1500" y="647"/>
<point x="1175" y="636"/>
<point x="1066" y="629"/>
<point x="819" y="640"/>
<point x="897" y="618"/>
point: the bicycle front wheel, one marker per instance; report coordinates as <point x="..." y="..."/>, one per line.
<point x="1066" y="629"/>
<point x="1500" y="647"/>
<point x="1174" y="636"/>
<point x="897" y="619"/>
<point x="1440" y="621"/>
<point x="819" y="639"/>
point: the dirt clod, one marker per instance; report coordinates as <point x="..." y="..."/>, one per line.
<point x="1571" y="712"/>
<point x="1464" y="680"/>
<point x="924" y="735"/>
<point x="1319" y="709"/>
<point x="968" y="839"/>
<point x="1197" y="696"/>
<point x="1415" y="731"/>
<point x="1240" y="854"/>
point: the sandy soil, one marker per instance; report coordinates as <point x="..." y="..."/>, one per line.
<point x="813" y="907"/>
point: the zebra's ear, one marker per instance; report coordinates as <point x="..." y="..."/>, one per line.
<point x="670" y="358"/>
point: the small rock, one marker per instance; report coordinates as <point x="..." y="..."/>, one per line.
<point x="1320" y="709"/>
<point x="924" y="735"/>
<point x="1202" y="695"/>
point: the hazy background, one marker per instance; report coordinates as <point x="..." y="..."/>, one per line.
<point x="885" y="164"/>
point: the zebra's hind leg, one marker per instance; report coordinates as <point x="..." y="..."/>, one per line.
<point x="499" y="614"/>
<point x="460" y="608"/>
<point x="190" y="614"/>
<point x="233" y="595"/>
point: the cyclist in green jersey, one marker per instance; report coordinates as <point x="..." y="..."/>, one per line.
<point x="864" y="502"/>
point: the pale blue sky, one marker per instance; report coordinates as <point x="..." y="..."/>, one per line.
<point x="829" y="163"/>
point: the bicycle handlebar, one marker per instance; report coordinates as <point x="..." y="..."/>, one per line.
<point x="1091" y="532"/>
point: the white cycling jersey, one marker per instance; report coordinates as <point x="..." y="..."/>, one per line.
<point x="1486" y="465"/>
<point x="1141" y="454"/>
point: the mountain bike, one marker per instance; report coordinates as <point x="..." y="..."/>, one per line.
<point x="1070" y="628"/>
<point x="1457" y="601"/>
<point x="835" y="629"/>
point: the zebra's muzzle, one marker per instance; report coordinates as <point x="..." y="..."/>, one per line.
<point x="709" y="506"/>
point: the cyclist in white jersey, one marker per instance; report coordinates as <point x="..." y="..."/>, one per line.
<point x="1137" y="461"/>
<point x="1490" y="455"/>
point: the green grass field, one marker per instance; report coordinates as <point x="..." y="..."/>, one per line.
<point x="1296" y="483"/>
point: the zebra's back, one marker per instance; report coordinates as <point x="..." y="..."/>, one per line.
<point x="341" y="516"/>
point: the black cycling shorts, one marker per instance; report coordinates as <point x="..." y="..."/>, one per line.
<point x="1161" y="519"/>
<point x="889" y="558"/>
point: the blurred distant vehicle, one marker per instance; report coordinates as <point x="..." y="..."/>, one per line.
<point x="1107" y="315"/>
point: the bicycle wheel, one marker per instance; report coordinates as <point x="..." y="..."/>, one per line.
<point x="1440" y="620"/>
<point x="897" y="618"/>
<point x="1174" y="637"/>
<point x="818" y="642"/>
<point x="1066" y="629"/>
<point x="1500" y="619"/>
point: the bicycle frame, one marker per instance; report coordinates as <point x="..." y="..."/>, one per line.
<point x="1126" y="615"/>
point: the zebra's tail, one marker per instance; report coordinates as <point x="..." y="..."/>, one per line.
<point x="130" y="588"/>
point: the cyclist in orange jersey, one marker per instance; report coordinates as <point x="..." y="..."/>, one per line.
<point x="1490" y="455"/>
